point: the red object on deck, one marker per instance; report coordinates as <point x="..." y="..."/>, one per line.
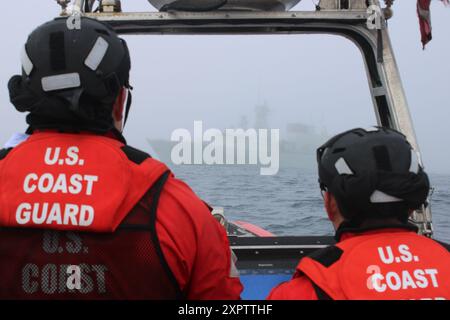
<point x="257" y="231"/>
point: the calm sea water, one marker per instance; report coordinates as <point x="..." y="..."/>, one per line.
<point x="288" y="203"/>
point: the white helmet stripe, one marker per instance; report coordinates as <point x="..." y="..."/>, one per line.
<point x="342" y="167"/>
<point x="97" y="54"/>
<point x="414" y="167"/>
<point x="27" y="64"/>
<point x="381" y="197"/>
<point x="62" y="81"/>
<point x="372" y="129"/>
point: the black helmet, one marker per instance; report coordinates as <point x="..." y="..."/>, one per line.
<point x="371" y="171"/>
<point x="71" y="76"/>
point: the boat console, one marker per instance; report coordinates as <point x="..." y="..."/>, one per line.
<point x="264" y="263"/>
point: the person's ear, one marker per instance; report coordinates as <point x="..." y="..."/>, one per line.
<point x="332" y="208"/>
<point x="328" y="199"/>
<point x="119" y="105"/>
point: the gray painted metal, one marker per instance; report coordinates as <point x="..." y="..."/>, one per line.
<point x="390" y="103"/>
<point x="342" y="5"/>
<point x="271" y="5"/>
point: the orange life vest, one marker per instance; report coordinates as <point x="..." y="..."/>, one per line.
<point x="396" y="264"/>
<point x="77" y="220"/>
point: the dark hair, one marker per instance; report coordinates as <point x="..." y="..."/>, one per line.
<point x="380" y="212"/>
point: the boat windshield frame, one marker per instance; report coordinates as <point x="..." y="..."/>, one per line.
<point x="387" y="92"/>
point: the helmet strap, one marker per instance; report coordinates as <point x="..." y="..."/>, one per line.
<point x="128" y="107"/>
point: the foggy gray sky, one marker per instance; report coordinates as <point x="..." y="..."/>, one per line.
<point x="319" y="80"/>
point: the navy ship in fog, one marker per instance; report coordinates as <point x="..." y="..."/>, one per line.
<point x="297" y="148"/>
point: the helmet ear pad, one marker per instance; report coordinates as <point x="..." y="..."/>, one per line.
<point x="351" y="193"/>
<point x="20" y="96"/>
<point x="82" y="103"/>
<point x="113" y="86"/>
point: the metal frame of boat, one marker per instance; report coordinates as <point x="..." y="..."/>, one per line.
<point x="206" y="5"/>
<point x="352" y="19"/>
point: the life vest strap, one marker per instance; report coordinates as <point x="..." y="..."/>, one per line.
<point x="327" y="256"/>
<point x="157" y="189"/>
<point x="4" y="153"/>
<point x="321" y="295"/>
<point x="445" y="245"/>
<point x="135" y="155"/>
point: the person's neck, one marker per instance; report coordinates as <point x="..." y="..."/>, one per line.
<point x="116" y="134"/>
<point x="351" y="227"/>
<point x="113" y="133"/>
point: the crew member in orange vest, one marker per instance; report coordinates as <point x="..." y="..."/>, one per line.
<point x="82" y="214"/>
<point x="372" y="181"/>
